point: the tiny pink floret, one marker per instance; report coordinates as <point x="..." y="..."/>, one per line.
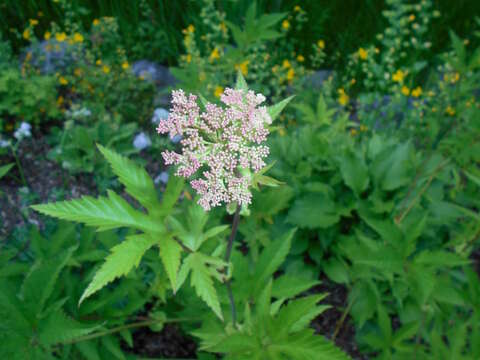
<point x="225" y="143"/>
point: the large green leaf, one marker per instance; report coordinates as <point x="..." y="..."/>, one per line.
<point x="354" y="171"/>
<point x="104" y="213"/>
<point x="5" y="169"/>
<point x="170" y="253"/>
<point x="122" y="259"/>
<point x="271" y="259"/>
<point x="136" y="180"/>
<point x="313" y="211"/>
<point x="276" y="109"/>
<point x="172" y="193"/>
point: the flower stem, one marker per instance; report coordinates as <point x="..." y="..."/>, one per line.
<point x="19" y="166"/>
<point x="228" y="253"/>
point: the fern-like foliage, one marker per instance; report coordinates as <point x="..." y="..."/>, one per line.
<point x="123" y="258"/>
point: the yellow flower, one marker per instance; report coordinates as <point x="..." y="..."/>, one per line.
<point x="77" y="37"/>
<point x="26" y="34"/>
<point x="455" y="78"/>
<point x="95" y="22"/>
<point x="417" y="91"/>
<point x="274" y="69"/>
<point x="411" y="17"/>
<point x="286" y="64"/>
<point x="61" y="36"/>
<point x="297" y="8"/>
<point x="285" y="24"/>
<point x="106" y="69"/>
<point x="243" y="67"/>
<point x="47" y="35"/>
<point x="405" y="90"/>
<point x="300" y="58"/>
<point x="290" y="74"/>
<point x="223" y="27"/>
<point x="398" y="76"/>
<point x="28" y="57"/>
<point x="363" y="128"/>
<point x="215" y="54"/>
<point x="60" y="100"/>
<point x="353" y="132"/>
<point x="362" y="54"/>
<point x="189" y="30"/>
<point x="77" y="72"/>
<point x="33" y="22"/>
<point x="218" y="91"/>
<point x="343" y="97"/>
<point x="125" y="65"/>
<point x="321" y="44"/>
<point x="353" y="81"/>
<point x="188" y="58"/>
<point x="62" y="80"/>
<point x="450" y="111"/>
<point x="98" y="62"/>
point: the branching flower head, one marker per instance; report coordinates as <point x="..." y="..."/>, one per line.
<point x="224" y="143"/>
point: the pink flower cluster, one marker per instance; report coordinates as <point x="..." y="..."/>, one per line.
<point x="224" y="143"/>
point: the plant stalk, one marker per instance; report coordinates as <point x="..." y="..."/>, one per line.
<point x="228" y="253"/>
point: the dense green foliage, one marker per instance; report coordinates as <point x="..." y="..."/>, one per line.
<point x="372" y="182"/>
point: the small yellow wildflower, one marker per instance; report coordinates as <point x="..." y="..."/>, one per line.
<point x="353" y="132"/>
<point x="106" y="69"/>
<point x="275" y="69"/>
<point x="223" y="27"/>
<point x="125" y="65"/>
<point x="405" y="90"/>
<point x="363" y="128"/>
<point x="189" y="30"/>
<point x="215" y="54"/>
<point x="286" y="64"/>
<point x="343" y="97"/>
<point x="26" y="34"/>
<point x="362" y="54"/>
<point x="188" y="58"/>
<point x="62" y="81"/>
<point x="377" y="50"/>
<point x="321" y="44"/>
<point x="398" y="76"/>
<point x="353" y="81"/>
<point x="60" y="100"/>
<point x="77" y="72"/>
<point x="417" y="91"/>
<point x="411" y="18"/>
<point x="77" y="37"/>
<point x="61" y="37"/>
<point x="243" y="67"/>
<point x="290" y="74"/>
<point x="285" y="24"/>
<point x="455" y="78"/>
<point x="218" y="91"/>
<point x="300" y="58"/>
<point x="98" y="62"/>
<point x="297" y="8"/>
<point x="33" y="22"/>
<point x="47" y="35"/>
<point x="450" y="111"/>
<point x="95" y="22"/>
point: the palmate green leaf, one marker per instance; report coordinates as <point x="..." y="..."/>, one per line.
<point x="271" y="259"/>
<point x="304" y="345"/>
<point x="276" y="109"/>
<point x="40" y="281"/>
<point x="103" y="213"/>
<point x="440" y="258"/>
<point x="123" y="258"/>
<point x="136" y="180"/>
<point x="60" y="328"/>
<point x="354" y="171"/>
<point x="170" y="253"/>
<point x="172" y="193"/>
<point x="313" y="211"/>
<point x="288" y="286"/>
<point x="201" y="279"/>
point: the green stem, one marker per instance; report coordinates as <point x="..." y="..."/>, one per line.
<point x="124" y="327"/>
<point x="228" y="253"/>
<point x="20" y="169"/>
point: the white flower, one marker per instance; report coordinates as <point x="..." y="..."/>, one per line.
<point x="162" y="177"/>
<point x="159" y="115"/>
<point x="23" y="131"/>
<point x="4" y="143"/>
<point x="142" y="141"/>
<point x="81" y="113"/>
